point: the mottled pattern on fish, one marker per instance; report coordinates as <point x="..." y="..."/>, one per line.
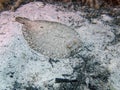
<point x="50" y="38"/>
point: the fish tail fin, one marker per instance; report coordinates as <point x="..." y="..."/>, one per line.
<point x="22" y="20"/>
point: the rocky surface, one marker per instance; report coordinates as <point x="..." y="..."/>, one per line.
<point x="94" y="67"/>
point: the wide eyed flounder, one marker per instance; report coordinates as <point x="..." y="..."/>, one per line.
<point x="50" y="38"/>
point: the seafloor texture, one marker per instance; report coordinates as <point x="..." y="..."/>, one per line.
<point x="95" y="66"/>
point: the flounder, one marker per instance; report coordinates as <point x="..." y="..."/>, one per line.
<point x="49" y="38"/>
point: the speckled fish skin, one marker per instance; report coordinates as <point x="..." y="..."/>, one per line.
<point x="50" y="38"/>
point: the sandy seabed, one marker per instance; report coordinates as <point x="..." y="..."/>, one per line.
<point x="20" y="66"/>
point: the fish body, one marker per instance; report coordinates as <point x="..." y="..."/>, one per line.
<point x="50" y="38"/>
